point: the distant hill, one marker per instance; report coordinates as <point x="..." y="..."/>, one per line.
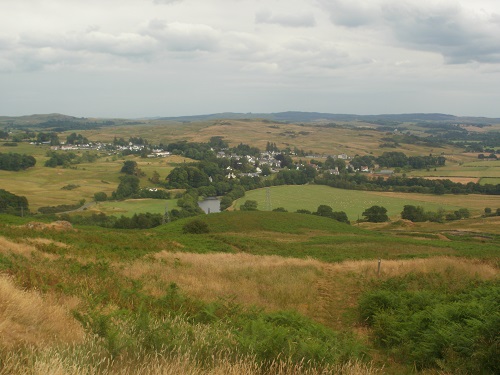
<point x="295" y="116"/>
<point x="64" y="122"/>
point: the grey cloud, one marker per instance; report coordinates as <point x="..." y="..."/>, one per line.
<point x="184" y="37"/>
<point x="459" y="35"/>
<point x="296" y="20"/>
<point x="350" y="13"/>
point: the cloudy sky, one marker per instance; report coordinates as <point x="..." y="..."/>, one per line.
<point x="134" y="58"/>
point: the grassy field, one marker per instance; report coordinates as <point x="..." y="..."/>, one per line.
<point x="354" y="202"/>
<point x="132" y="206"/>
<point x="472" y="169"/>
<point x="43" y="186"/>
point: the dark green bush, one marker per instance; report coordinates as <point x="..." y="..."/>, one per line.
<point x="195" y="227"/>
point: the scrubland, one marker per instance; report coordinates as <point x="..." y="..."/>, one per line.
<point x="262" y="293"/>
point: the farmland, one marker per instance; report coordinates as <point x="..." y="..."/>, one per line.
<point x="43" y="186"/>
<point x="354" y="202"/>
<point x="258" y="292"/>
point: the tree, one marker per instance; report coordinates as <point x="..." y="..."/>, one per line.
<point x="130" y="167"/>
<point x="155" y="179"/>
<point x="324" y="210"/>
<point x="413" y="213"/>
<point x="280" y="209"/>
<point x="249" y="205"/>
<point x="128" y="186"/>
<point x="376" y="214"/>
<point x="195" y="227"/>
<point x="11" y="203"/>
<point x="100" y="196"/>
<point x="266" y="170"/>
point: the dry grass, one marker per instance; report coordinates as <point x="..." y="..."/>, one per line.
<point x="319" y="290"/>
<point x="27" y="318"/>
<point x="46" y="241"/>
<point x="391" y="268"/>
<point x="87" y="360"/>
<point x="24" y="249"/>
<point x="269" y="281"/>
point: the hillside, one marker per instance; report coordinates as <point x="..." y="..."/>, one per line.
<point x="258" y="286"/>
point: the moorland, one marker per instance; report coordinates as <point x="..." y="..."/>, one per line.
<point x="108" y="266"/>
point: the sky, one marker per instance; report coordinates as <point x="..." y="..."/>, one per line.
<point x="146" y="58"/>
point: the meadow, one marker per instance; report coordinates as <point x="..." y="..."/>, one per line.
<point x="354" y="202"/>
<point x="132" y="206"/>
<point x="483" y="170"/>
<point x="43" y="186"/>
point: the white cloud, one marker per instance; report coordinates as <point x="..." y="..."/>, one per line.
<point x="166" y="1"/>
<point x="289" y="20"/>
<point x="178" y="36"/>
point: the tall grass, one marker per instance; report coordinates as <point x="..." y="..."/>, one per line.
<point x="88" y="359"/>
<point x="26" y="317"/>
<point x="269" y="281"/>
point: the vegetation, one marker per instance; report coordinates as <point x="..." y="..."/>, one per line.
<point x="11" y="203"/>
<point x="195" y="227"/>
<point x="136" y="303"/>
<point x="427" y="322"/>
<point x="376" y="214"/>
<point x="122" y="287"/>
<point x="16" y="162"/>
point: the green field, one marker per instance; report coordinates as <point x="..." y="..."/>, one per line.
<point x="490" y="180"/>
<point x="476" y="168"/>
<point x="354" y="202"/>
<point x="43" y="186"/>
<point x="132" y="206"/>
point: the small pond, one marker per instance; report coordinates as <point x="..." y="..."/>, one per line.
<point x="210" y="205"/>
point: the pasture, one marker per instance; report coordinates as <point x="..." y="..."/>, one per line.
<point x="354" y="202"/>
<point x="132" y="206"/>
<point x="43" y="186"/>
<point x="471" y="169"/>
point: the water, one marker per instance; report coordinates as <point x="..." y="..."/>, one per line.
<point x="210" y="205"/>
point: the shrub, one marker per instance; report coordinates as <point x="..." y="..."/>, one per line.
<point x="195" y="227"/>
<point x="100" y="196"/>
<point x="456" y="332"/>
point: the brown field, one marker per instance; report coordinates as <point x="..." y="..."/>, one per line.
<point x="355" y="138"/>
<point x="322" y="291"/>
